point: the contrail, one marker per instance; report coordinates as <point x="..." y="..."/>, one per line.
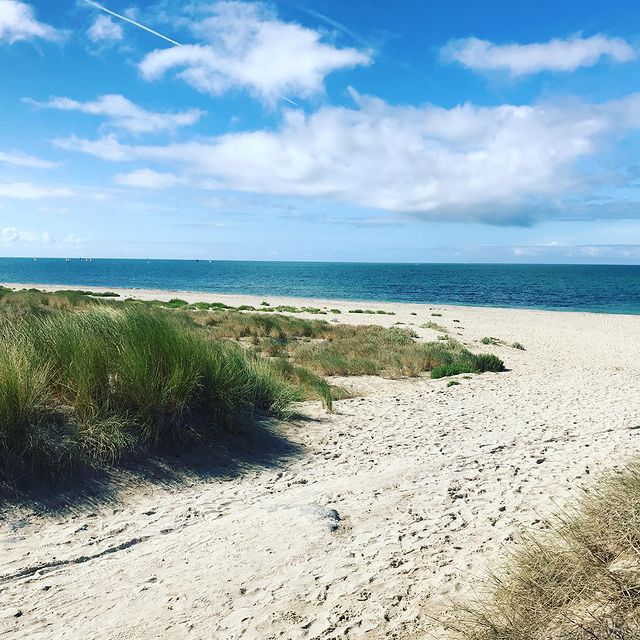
<point x="338" y="25"/>
<point x="133" y="22"/>
<point x="355" y="36"/>
<point x="160" y="35"/>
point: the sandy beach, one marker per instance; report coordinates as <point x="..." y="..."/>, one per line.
<point x="369" y="522"/>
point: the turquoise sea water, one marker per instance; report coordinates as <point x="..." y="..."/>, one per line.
<point x="609" y="289"/>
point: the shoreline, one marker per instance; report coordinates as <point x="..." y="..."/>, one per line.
<point x="433" y="485"/>
<point x="245" y="298"/>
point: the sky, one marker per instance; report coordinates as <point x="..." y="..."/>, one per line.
<point x="413" y="131"/>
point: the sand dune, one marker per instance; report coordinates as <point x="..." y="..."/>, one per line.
<point x="366" y="523"/>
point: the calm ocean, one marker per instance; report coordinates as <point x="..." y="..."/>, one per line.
<point x="610" y="289"/>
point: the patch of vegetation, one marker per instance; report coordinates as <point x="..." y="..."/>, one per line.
<point x="379" y="312"/>
<point x="336" y="311"/>
<point x="434" y="325"/>
<point x="93" y="294"/>
<point x="452" y="383"/>
<point x="89" y="386"/>
<point x="87" y="381"/>
<point x="378" y="351"/>
<point x="35" y="298"/>
<point x="174" y="303"/>
<point x="578" y="582"/>
<point x="437" y="315"/>
<point x="517" y="345"/>
<point x="492" y="341"/>
<point x="330" y="349"/>
<point x="463" y="361"/>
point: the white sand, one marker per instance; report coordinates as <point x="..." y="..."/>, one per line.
<point x="432" y="485"/>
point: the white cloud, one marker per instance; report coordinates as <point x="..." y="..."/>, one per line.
<point x="18" y="22"/>
<point x="521" y="59"/>
<point x="124" y="114"/>
<point x="147" y="179"/>
<point x="106" y="148"/>
<point x="249" y="48"/>
<point x="600" y="252"/>
<point x="105" y="29"/>
<point x="13" y="234"/>
<point x="28" y="191"/>
<point x="459" y="163"/>
<point x="23" y="160"/>
<point x="72" y="238"/>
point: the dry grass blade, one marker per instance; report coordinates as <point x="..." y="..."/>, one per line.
<point x="579" y="582"/>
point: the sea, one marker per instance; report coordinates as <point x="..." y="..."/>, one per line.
<point x="594" y="288"/>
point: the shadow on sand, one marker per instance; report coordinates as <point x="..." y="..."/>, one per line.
<point x="260" y="446"/>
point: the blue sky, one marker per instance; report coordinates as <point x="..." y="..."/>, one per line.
<point x="321" y="130"/>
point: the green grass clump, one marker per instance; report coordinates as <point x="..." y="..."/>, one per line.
<point x="36" y="299"/>
<point x="379" y="312"/>
<point x="336" y="311"/>
<point x="434" y="325"/>
<point x="93" y="294"/>
<point x="517" y="345"/>
<point x="452" y="383"/>
<point x="249" y="325"/>
<point x="313" y="310"/>
<point x="336" y="349"/>
<point x="459" y="360"/>
<point x="581" y="581"/>
<point x="285" y="308"/>
<point x="372" y="350"/>
<point x="87" y="381"/>
<point x="92" y="385"/>
<point x="219" y="306"/>
<point x="492" y="341"/>
<point x="174" y="303"/>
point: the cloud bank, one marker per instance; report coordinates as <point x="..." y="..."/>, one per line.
<point x="467" y="162"/>
<point x="523" y="59"/>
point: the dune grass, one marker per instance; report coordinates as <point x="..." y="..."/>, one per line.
<point x="62" y="299"/>
<point x="91" y="385"/>
<point x="330" y="349"/>
<point x="434" y="325"/>
<point x="86" y="380"/>
<point x="379" y="312"/>
<point x="579" y="582"/>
